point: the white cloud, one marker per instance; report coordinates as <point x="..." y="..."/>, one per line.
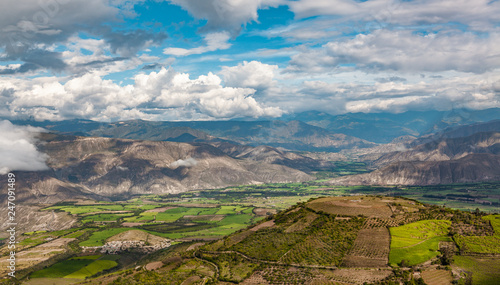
<point x="226" y="14"/>
<point x="450" y="91"/>
<point x="17" y="149"/>
<point x="156" y="95"/>
<point x="188" y="162"/>
<point x="403" y="51"/>
<point x="214" y="41"/>
<point x="478" y="14"/>
<point x="252" y="74"/>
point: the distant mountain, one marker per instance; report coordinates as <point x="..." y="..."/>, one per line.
<point x="384" y="127"/>
<point x="447" y="149"/>
<point x="101" y="168"/>
<point x="292" y="135"/>
<point x="469" y="169"/>
<point x="446" y="159"/>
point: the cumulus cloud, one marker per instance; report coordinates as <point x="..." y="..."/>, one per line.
<point x="18" y="150"/>
<point x="252" y="74"/>
<point x="157" y="95"/>
<point x="214" y="41"/>
<point x="188" y="162"/>
<point x="403" y="51"/>
<point x="454" y="91"/>
<point x="31" y="30"/>
<point x="226" y="14"/>
<point x="478" y="14"/>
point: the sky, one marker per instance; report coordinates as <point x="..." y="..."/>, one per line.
<point x="110" y="60"/>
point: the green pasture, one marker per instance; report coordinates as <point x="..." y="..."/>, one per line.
<point x="92" y="269"/>
<point x="417" y="242"/>
<point x="63" y="268"/>
<point x="99" y="238"/>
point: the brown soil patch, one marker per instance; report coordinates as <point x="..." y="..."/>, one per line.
<point x="154" y="265"/>
<point x="132" y="224"/>
<point x="214" y="218"/>
<point x="263" y="211"/>
<point x="360" y="276"/>
<point x="371" y="249"/>
<point x="263" y="225"/>
<point x="437" y="277"/>
<point x="136" y="235"/>
<point x="55" y="281"/>
<point x="36" y="255"/>
<point x="349" y="206"/>
<point x="159" y="210"/>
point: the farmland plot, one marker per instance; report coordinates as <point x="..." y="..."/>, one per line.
<point x="370" y="249"/>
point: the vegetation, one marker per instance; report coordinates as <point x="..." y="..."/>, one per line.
<point x="482" y="244"/>
<point x="347" y="231"/>
<point x="482" y="270"/>
<point x="62" y="269"/>
<point x="417" y="242"/>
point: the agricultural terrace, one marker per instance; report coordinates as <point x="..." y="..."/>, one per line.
<point x="481" y="244"/>
<point x="368" y="206"/>
<point x="370" y="249"/>
<point x="417" y="242"/>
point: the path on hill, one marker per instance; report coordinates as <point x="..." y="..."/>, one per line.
<point x="270" y="262"/>
<point x="211" y="263"/>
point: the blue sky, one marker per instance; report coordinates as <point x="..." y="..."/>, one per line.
<point x="221" y="59"/>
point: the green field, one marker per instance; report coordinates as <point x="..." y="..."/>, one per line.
<point x="77" y="267"/>
<point x="99" y="238"/>
<point x="485" y="271"/>
<point x="63" y="268"/>
<point x="92" y="269"/>
<point x="417" y="242"/>
<point x="482" y="244"/>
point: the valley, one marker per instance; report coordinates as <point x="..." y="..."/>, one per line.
<point x="194" y="220"/>
<point x="280" y="202"/>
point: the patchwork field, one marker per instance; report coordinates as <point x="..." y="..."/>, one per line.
<point x="320" y="232"/>
<point x="352" y="206"/>
<point x="482" y="244"/>
<point x="370" y="249"/>
<point x="437" y="277"/>
<point x="77" y="268"/>
<point x="417" y="242"/>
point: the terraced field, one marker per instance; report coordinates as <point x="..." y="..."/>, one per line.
<point x="437" y="277"/>
<point x="482" y="244"/>
<point x="370" y="249"/>
<point x="417" y="242"/>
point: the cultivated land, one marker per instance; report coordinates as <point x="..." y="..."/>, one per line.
<point x="331" y="239"/>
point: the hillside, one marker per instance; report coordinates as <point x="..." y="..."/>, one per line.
<point x="471" y="168"/>
<point x="83" y="168"/>
<point x="112" y="167"/>
<point x="447" y="149"/>
<point x="332" y="240"/>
